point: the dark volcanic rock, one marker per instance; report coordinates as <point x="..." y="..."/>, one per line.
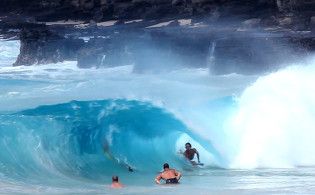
<point x="41" y="46"/>
<point x="48" y="10"/>
<point x="105" y="52"/>
<point x="249" y="54"/>
<point x="167" y="48"/>
<point x="129" y="9"/>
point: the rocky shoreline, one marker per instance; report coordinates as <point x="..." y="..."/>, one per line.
<point x="225" y="37"/>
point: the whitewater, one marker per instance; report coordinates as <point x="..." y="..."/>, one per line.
<point x="68" y="130"/>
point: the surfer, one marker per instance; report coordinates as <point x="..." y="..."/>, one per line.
<point x="190" y="154"/>
<point x="171" y="176"/>
<point x="116" y="183"/>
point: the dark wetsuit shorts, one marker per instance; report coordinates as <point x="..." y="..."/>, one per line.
<point x="172" y="181"/>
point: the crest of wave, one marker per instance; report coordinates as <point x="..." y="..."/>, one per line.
<point x="274" y="125"/>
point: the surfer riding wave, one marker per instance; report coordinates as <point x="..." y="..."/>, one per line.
<point x="189" y="154"/>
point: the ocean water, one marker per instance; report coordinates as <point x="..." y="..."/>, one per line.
<point x="68" y="130"/>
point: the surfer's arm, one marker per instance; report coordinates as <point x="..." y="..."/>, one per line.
<point x="197" y="155"/>
<point x="178" y="175"/>
<point x="158" y="178"/>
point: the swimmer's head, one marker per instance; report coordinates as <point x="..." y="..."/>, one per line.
<point x="115" y="178"/>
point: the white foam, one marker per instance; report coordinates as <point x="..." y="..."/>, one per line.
<point x="9" y="50"/>
<point x="133" y="21"/>
<point x="107" y="23"/>
<point x="274" y="125"/>
<point x="160" y="24"/>
<point x="64" y="22"/>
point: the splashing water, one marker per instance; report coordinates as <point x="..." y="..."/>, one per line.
<point x="81" y="126"/>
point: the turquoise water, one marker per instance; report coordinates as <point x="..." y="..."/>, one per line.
<point x="258" y="181"/>
<point x="67" y="130"/>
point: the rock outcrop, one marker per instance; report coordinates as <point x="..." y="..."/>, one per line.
<point x="41" y="46"/>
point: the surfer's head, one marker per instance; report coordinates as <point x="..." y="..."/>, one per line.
<point x="187" y="145"/>
<point x="166" y="166"/>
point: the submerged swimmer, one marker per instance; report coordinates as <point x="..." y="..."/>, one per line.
<point x="171" y="176"/>
<point x="190" y="154"/>
<point x="110" y="156"/>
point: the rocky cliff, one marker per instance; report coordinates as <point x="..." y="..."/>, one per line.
<point x="134" y="9"/>
<point x="223" y="35"/>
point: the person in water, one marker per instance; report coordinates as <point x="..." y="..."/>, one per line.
<point x="171" y="176"/>
<point x="110" y="156"/>
<point x="190" y="153"/>
<point x="116" y="183"/>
